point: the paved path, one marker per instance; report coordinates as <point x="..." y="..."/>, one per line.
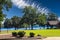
<point x="25" y="39"/>
<point x="9" y="37"/>
<point x="52" y="38"/>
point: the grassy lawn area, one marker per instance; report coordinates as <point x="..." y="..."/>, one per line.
<point x="47" y="33"/>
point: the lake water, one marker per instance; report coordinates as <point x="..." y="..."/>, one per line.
<point x="34" y="27"/>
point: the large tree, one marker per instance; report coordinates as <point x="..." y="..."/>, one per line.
<point x="30" y="15"/>
<point x="41" y="19"/>
<point x="7" y="23"/>
<point x="15" y="21"/>
<point x="4" y="4"/>
<point x="25" y="25"/>
<point x="1" y="19"/>
<point x="52" y="17"/>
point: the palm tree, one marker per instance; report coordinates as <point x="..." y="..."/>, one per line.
<point x="7" y="23"/>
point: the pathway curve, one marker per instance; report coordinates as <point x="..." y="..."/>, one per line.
<point x="52" y="38"/>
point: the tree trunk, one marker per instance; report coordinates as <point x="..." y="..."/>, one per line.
<point x="40" y="26"/>
<point x="51" y="27"/>
<point x="31" y="26"/>
<point x="15" y="28"/>
<point x="44" y="26"/>
<point x="26" y="28"/>
<point x="0" y="29"/>
<point x="7" y="30"/>
<point x="47" y="27"/>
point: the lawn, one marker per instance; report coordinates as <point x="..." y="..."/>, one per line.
<point x="47" y="33"/>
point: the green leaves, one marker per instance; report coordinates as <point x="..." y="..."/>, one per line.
<point x="15" y="21"/>
<point x="25" y="24"/>
<point x="52" y="16"/>
<point x="4" y="4"/>
<point x="8" y="23"/>
<point x="1" y="17"/>
<point x="29" y="15"/>
<point x="42" y="19"/>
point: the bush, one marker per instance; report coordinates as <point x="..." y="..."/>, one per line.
<point x="14" y="33"/>
<point x="38" y="35"/>
<point x="32" y="34"/>
<point x="21" y="33"/>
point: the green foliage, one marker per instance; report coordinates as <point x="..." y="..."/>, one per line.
<point x="5" y="4"/>
<point x="1" y="17"/>
<point x="25" y="25"/>
<point x="14" y="33"/>
<point x="38" y="35"/>
<point x="8" y="23"/>
<point x="29" y="15"/>
<point x="15" y="21"/>
<point x="52" y="17"/>
<point x="32" y="34"/>
<point x="41" y="20"/>
<point x="21" y="33"/>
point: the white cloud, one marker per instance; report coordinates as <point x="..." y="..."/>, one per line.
<point x="59" y="18"/>
<point x="43" y="10"/>
<point x="22" y="4"/>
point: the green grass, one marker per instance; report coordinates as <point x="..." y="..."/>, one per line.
<point x="47" y="33"/>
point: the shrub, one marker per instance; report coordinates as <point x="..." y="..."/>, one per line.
<point x="14" y="33"/>
<point x="21" y="33"/>
<point x="38" y="35"/>
<point x="32" y="34"/>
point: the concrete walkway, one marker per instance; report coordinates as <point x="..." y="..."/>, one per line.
<point x="10" y="37"/>
<point x="52" y="38"/>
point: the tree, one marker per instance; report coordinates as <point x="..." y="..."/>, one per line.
<point x="25" y="25"/>
<point x="41" y="20"/>
<point x="30" y="15"/>
<point x="52" y="17"/>
<point x="1" y="19"/>
<point x="15" y="21"/>
<point x="58" y="26"/>
<point x="48" y="25"/>
<point x="7" y="24"/>
<point x="4" y="4"/>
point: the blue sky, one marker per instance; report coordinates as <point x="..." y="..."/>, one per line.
<point x="16" y="10"/>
